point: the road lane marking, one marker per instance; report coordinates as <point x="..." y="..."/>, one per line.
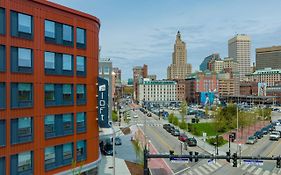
<point x="245" y="166"/>
<point x="208" y="167"/>
<point x="218" y="164"/>
<point x="214" y="166"/>
<point x="203" y="169"/>
<point x="197" y="172"/>
<point x="275" y="147"/>
<point x="266" y="172"/>
<point x="251" y="169"/>
<point x="161" y="140"/>
<point x="258" y="171"/>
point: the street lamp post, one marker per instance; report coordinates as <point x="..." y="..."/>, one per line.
<point x="237" y="123"/>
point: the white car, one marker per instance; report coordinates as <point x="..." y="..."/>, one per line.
<point x="275" y="135"/>
<point x="136" y="116"/>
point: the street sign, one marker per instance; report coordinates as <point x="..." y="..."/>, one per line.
<point x="253" y="162"/>
<point x="179" y="160"/>
<point x="210" y="161"/>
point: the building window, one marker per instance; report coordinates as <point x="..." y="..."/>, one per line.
<point x="81" y="151"/>
<point x="106" y="70"/>
<point x="49" y="60"/>
<point x="3" y="96"/>
<point x="67" y="153"/>
<point x="24" y="57"/>
<point x="21" y="95"/>
<point x="49" y="92"/>
<point x="24" y="23"/>
<point x="49" y="124"/>
<point x="24" y="92"/>
<point x="67" y="62"/>
<point x="80" y="65"/>
<point x="50" y="157"/>
<point x="81" y="122"/>
<point x="2" y="58"/>
<point x="24" y="162"/>
<point x="67" y="122"/>
<point x="67" y="33"/>
<point x="49" y="29"/>
<point x="2" y="133"/>
<point x="67" y="93"/>
<point x="21" y="60"/>
<point x="21" y="131"/>
<point x="21" y="25"/>
<point x="2" y="21"/>
<point x="81" y="38"/>
<point x="81" y="94"/>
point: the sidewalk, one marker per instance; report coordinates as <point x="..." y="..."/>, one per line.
<point x="106" y="166"/>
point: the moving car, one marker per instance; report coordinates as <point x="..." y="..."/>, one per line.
<point x="275" y="135"/>
<point x="191" y="142"/>
<point x="182" y="137"/>
<point x="252" y="140"/>
<point x="175" y="132"/>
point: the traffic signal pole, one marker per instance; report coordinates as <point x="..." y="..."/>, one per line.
<point x="197" y="156"/>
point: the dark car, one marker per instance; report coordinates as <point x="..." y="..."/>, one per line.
<point x="107" y="149"/>
<point x="175" y="132"/>
<point x="258" y="134"/>
<point x="149" y="114"/>
<point x="183" y="137"/>
<point x="265" y="131"/>
<point x="191" y="142"/>
<point x="166" y="126"/>
<point x="118" y="141"/>
<point x="170" y="129"/>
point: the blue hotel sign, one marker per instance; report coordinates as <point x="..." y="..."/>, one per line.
<point x="103" y="103"/>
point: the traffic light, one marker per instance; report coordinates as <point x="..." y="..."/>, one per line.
<point x="234" y="159"/>
<point x="228" y="156"/>
<point x="171" y="153"/>
<point x="196" y="158"/>
<point x="190" y="153"/>
<point x="278" y="163"/>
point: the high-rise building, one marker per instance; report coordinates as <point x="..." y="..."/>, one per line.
<point x="138" y="73"/>
<point x="239" y="48"/>
<point x="48" y="77"/>
<point x="205" y="65"/>
<point x="230" y="65"/>
<point x="105" y="71"/>
<point x="269" y="57"/>
<point x="268" y="76"/>
<point x="216" y="65"/>
<point x="179" y="69"/>
<point x="117" y="72"/>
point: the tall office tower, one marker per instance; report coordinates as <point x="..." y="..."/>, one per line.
<point x="268" y="57"/>
<point x="48" y="77"/>
<point x="239" y="48"/>
<point x="117" y="72"/>
<point x="179" y="69"/>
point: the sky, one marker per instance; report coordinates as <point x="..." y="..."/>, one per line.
<point x="137" y="32"/>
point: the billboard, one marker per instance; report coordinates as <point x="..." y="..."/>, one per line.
<point x="103" y="103"/>
<point x="262" y="89"/>
<point x="207" y="98"/>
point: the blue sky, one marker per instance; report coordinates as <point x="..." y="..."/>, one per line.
<point x="137" y="32"/>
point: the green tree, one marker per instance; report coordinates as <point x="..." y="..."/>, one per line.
<point x="171" y="117"/>
<point x="176" y="121"/>
<point x="183" y="110"/>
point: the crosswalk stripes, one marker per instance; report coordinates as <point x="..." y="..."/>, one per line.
<point x="266" y="172"/>
<point x="251" y="169"/>
<point x="205" y="169"/>
<point x="258" y="171"/>
<point x="255" y="170"/>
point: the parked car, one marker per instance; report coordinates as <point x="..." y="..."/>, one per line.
<point x="182" y="137"/>
<point x="275" y="135"/>
<point x="258" y="134"/>
<point x="252" y="140"/>
<point x="265" y="131"/>
<point x="118" y="141"/>
<point x="166" y="126"/>
<point x="107" y="147"/>
<point x="170" y="129"/>
<point x="175" y="132"/>
<point x="191" y="142"/>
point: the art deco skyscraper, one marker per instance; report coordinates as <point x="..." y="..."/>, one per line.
<point x="239" y="48"/>
<point x="179" y="69"/>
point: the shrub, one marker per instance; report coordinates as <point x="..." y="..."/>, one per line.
<point x="213" y="140"/>
<point x="183" y="125"/>
<point x="175" y="121"/>
<point x="114" y="116"/>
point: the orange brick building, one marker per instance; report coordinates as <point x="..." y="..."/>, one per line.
<point x="48" y="76"/>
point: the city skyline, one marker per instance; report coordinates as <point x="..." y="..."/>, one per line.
<point x="131" y="38"/>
